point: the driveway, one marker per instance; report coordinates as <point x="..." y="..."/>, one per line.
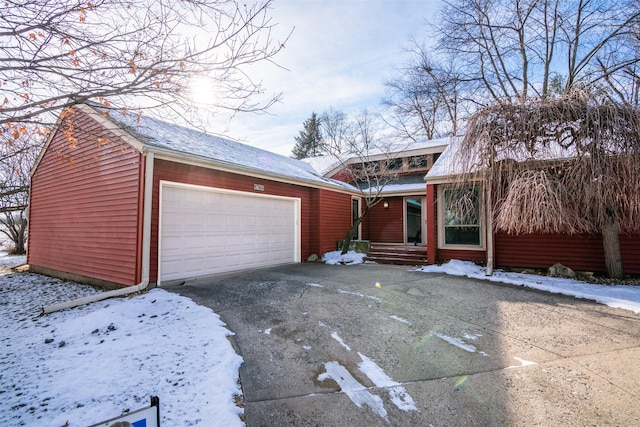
<point x="324" y="346"/>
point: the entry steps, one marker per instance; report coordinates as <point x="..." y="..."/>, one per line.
<point x="397" y="254"/>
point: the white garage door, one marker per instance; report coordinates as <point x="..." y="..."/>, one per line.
<point x="206" y="231"/>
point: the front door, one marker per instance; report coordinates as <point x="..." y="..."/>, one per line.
<point x="414" y="220"/>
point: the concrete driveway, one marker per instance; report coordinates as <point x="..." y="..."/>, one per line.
<point x="323" y="346"/>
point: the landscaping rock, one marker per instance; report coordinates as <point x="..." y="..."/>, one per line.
<point x="559" y="270"/>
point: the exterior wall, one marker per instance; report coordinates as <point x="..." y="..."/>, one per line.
<point x="630" y="248"/>
<point x="334" y="219"/>
<point x="322" y="211"/>
<point x="85" y="205"/>
<point x="579" y="252"/>
<point x="444" y="255"/>
<point x="385" y="225"/>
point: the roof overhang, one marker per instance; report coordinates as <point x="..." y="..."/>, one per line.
<point x="193" y="160"/>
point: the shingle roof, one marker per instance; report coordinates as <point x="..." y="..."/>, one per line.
<point x="154" y="133"/>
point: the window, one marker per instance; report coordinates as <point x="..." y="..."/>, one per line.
<point x="419" y="162"/>
<point x="460" y="217"/>
<point x="394" y="165"/>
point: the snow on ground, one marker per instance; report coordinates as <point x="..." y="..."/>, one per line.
<point x="618" y="296"/>
<point x="336" y="257"/>
<point x="91" y="363"/>
<point x="94" y="362"/>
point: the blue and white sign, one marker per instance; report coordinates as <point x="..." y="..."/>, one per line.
<point x="145" y="417"/>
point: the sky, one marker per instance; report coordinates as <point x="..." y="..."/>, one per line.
<point x="338" y="56"/>
<point x="163" y="344"/>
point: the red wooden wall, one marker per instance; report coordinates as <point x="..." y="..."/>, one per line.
<point x="385" y="225"/>
<point x="579" y="252"/>
<point x="334" y="219"/>
<point x="85" y="204"/>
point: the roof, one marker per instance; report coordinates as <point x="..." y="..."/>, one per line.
<point x="445" y="166"/>
<point x="160" y="136"/>
<point x="327" y="164"/>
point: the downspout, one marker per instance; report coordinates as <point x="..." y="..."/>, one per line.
<point x="146" y="251"/>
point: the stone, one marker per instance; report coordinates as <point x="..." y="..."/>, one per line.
<point x="559" y="270"/>
<point x="312" y="258"/>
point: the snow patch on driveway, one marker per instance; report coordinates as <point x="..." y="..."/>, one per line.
<point x="397" y="392"/>
<point x="352" y="388"/>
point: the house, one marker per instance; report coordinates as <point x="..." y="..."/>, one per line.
<point x="119" y="199"/>
<point x="451" y="237"/>
<point x="395" y="226"/>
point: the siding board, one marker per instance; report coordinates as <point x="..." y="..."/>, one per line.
<point x="334" y="219"/>
<point x="386" y="225"/>
<point x="579" y="252"/>
<point x="83" y="216"/>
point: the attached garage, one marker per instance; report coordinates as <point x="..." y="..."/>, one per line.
<point x="119" y="200"/>
<point x="205" y="230"/>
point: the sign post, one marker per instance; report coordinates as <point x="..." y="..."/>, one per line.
<point x="145" y="417"/>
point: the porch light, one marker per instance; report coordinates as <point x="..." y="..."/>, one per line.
<point x="385" y="204"/>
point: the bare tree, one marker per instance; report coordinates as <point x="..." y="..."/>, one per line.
<point x="366" y="161"/>
<point x="139" y="53"/>
<point x="17" y="156"/>
<point x="514" y="48"/>
<point x="335" y="128"/>
<point x="425" y="98"/>
<point x="567" y="164"/>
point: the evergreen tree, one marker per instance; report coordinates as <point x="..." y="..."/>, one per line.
<point x="309" y="142"/>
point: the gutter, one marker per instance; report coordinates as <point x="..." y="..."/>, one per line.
<point x="195" y="160"/>
<point x="146" y="251"/>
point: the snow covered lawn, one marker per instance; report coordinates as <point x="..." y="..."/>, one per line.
<point x="94" y="362"/>
<point x="619" y="296"/>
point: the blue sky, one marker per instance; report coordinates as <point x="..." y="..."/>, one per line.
<point x="339" y="55"/>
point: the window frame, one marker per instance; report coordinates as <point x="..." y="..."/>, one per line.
<point x="481" y="221"/>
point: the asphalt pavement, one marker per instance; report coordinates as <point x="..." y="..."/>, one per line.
<point x="374" y="345"/>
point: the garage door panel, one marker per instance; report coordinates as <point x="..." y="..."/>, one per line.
<point x="207" y="231"/>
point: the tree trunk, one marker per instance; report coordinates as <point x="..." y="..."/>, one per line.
<point x="347" y="240"/>
<point x="612" y="254"/>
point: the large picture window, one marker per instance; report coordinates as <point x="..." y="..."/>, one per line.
<point x="461" y="217"/>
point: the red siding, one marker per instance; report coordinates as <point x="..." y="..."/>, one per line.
<point x="579" y="252"/>
<point x="386" y="225"/>
<point x="630" y="247"/>
<point x="85" y="203"/>
<point x="334" y="219"/>
<point x="444" y="255"/>
<point x="317" y="226"/>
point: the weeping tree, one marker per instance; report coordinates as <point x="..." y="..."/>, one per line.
<point x="566" y="164"/>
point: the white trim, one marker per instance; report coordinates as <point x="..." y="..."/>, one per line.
<point x="108" y="124"/>
<point x="359" y="200"/>
<point x="146" y="216"/>
<point x="297" y="220"/>
<point x="482" y="225"/>
<point x="185" y="159"/>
